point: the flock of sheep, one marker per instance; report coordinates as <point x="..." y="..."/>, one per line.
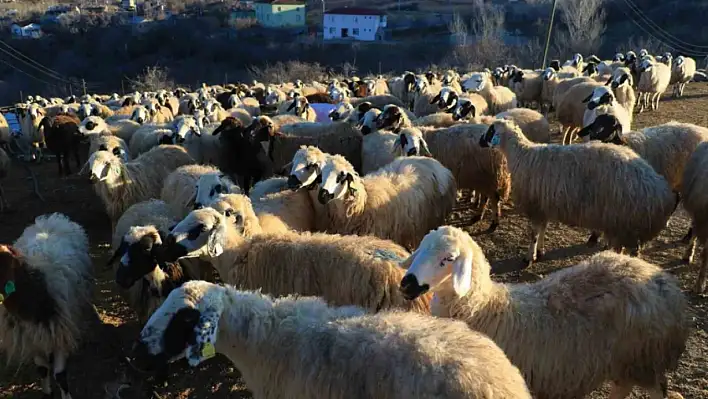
<point x="324" y="225"/>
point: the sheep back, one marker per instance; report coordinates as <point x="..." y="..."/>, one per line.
<point x="180" y="187"/>
<point x="347" y="142"/>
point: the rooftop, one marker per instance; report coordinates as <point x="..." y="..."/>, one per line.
<point x="293" y="2"/>
<point x="354" y="11"/>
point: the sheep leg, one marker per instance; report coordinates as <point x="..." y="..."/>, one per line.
<point x="479" y="217"/>
<point x="594" y="239"/>
<point x="60" y="374"/>
<point x="77" y="157"/>
<point x="566" y="130"/>
<point x="537" y="244"/>
<point x="655" y="102"/>
<point x="496" y="214"/>
<point x="642" y="100"/>
<point x="620" y="391"/>
<point x="701" y="281"/>
<point x="660" y="390"/>
<point x="43" y="370"/>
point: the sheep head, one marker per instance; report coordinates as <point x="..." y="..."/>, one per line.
<point x="444" y="252"/>
<point x="185" y="325"/>
<point x="141" y="252"/>
<point x="621" y="77"/>
<point x="202" y="233"/>
<point x="476" y="82"/>
<point x="464" y="109"/>
<point x="306" y="168"/>
<point x="447" y="99"/>
<point x="600" y="96"/>
<point x="299" y="106"/>
<point x="391" y="118"/>
<point x="140" y="114"/>
<point x="343" y="109"/>
<point x="410" y="141"/>
<point x="93" y="125"/>
<point x="210" y="186"/>
<point x="238" y="211"/>
<point x="606" y="128"/>
<point x="548" y="73"/>
<point x="185" y="125"/>
<point x="105" y="167"/>
<point x="497" y="131"/>
<point x="339" y="180"/>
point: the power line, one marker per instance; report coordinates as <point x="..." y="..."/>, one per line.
<point x="663" y="42"/>
<point x="28" y="74"/>
<point x="658" y="28"/>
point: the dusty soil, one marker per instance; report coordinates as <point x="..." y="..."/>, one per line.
<point x="98" y="369"/>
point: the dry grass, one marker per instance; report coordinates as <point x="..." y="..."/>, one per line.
<point x="98" y="366"/>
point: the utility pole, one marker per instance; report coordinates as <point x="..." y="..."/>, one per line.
<point x="548" y="37"/>
<point x="83" y="84"/>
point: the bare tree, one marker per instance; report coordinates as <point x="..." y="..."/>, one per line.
<point x="585" y="24"/>
<point x="152" y="79"/>
<point x="458" y="29"/>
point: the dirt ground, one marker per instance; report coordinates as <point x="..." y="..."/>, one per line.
<point x="99" y="369"/>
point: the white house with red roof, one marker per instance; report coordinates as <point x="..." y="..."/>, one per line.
<point x="354" y="23"/>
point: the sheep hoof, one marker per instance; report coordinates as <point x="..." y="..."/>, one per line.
<point x="526" y="263"/>
<point x="492" y="227"/>
<point x="540" y="255"/>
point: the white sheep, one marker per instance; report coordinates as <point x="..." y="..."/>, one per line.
<point x="682" y="72"/>
<point x="569" y="185"/>
<point x="120" y="185"/>
<point x="46" y="278"/>
<point x="499" y="98"/>
<point x="359" y="270"/>
<point x="181" y="187"/>
<point x="400" y="201"/>
<point x="622" y="84"/>
<point x="110" y="143"/>
<point x="210" y="185"/>
<point x="653" y="82"/>
<point x="332" y="353"/>
<point x="695" y="202"/>
<point x="602" y="101"/>
<point x="610" y="318"/>
<point x="121" y="128"/>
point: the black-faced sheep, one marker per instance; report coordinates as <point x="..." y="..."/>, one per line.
<point x="45" y="297"/>
<point x="402" y="201"/>
<point x="609" y="318"/>
<point x="325" y="356"/>
<point x="569" y="185"/>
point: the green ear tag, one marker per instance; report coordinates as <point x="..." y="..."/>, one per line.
<point x="9" y="287"/>
<point x="208" y="351"/>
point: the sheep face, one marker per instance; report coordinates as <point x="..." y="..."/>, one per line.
<point x="306" y="168"/>
<point x="369" y="122"/>
<point x="606" y="128"/>
<point x="201" y="233"/>
<point x="338" y="180"/>
<point x="117" y="151"/>
<point x="421" y="83"/>
<point x="84" y="111"/>
<point x="299" y="106"/>
<point x="680" y="60"/>
<point x="475" y="83"/>
<point x="548" y="74"/>
<point x="464" y="109"/>
<point x="337" y="94"/>
<point x="140" y="114"/>
<point x="618" y="57"/>
<point x="599" y="96"/>
<point x="105" y="167"/>
<point x="621" y="78"/>
<point x="93" y="125"/>
<point x="390" y="118"/>
<point x="590" y="69"/>
<point x="447" y="99"/>
<point x="185" y="325"/>
<point x="140" y="253"/>
<point x="36" y="113"/>
<point x="643" y="53"/>
<point x="444" y="252"/>
<point x="184" y="126"/>
<point x="238" y="212"/>
<point x="341" y="112"/>
<point x="210" y="186"/>
<point x="272" y="96"/>
<point x="411" y="143"/>
<point x="234" y="101"/>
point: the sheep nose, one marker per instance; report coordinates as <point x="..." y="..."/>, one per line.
<point x="412" y="152"/>
<point x="294" y="182"/>
<point x="93" y="179"/>
<point x="411" y="289"/>
<point x="198" y="205"/>
<point x="334" y="116"/>
<point x="365" y="130"/>
<point x="324" y="197"/>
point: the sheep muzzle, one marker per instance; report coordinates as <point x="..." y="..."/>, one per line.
<point x="411" y="289"/>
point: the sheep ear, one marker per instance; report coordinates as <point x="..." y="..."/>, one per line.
<point x="292" y="105"/>
<point x="609" y="81"/>
<point x="435" y="99"/>
<point x="424" y="145"/>
<point x="588" y="98"/>
<point x="462" y="274"/>
<point x="215" y="242"/>
<point x="406" y="264"/>
<point x="95" y="112"/>
<point x="206" y="335"/>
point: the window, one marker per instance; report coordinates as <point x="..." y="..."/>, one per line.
<point x="278" y="8"/>
<point x="356" y="19"/>
<point x="331" y="31"/>
<point x="355" y="31"/>
<point x="297" y="17"/>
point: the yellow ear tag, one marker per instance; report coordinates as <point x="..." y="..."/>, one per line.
<point x="208" y="351"/>
<point x="2" y="298"/>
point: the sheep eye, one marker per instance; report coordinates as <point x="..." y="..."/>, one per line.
<point x="229" y="212"/>
<point x="218" y="189"/>
<point x="239" y="219"/>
